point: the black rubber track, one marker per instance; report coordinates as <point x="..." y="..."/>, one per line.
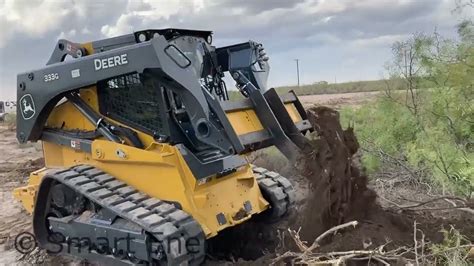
<point x="277" y="190"/>
<point x="159" y="218"/>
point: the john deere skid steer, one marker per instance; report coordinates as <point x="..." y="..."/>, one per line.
<point x="145" y="156"/>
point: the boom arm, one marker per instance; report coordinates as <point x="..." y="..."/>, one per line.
<point x="38" y="90"/>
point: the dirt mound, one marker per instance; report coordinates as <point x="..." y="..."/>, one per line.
<point x="338" y="190"/>
<point x="19" y="172"/>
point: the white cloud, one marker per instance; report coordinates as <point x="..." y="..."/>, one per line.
<point x="146" y="12"/>
<point x="327" y="6"/>
<point x="85" y="31"/>
<point x="36" y="18"/>
<point x="33" y="18"/>
<point x="121" y="26"/>
<point x="385" y="40"/>
<point x="67" y="35"/>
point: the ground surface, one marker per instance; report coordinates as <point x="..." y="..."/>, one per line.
<point x="339" y="99"/>
<point x="379" y="222"/>
<point x="14" y="163"/>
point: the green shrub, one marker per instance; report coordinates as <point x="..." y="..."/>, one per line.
<point x="452" y="251"/>
<point x="437" y="135"/>
<point x="440" y="140"/>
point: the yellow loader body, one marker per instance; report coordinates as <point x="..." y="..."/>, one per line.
<point x="159" y="170"/>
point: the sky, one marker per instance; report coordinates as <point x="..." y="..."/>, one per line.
<point x="335" y="41"/>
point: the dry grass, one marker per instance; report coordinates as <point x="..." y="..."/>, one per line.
<point x="326" y="88"/>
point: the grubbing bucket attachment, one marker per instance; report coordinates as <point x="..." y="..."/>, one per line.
<point x="266" y="119"/>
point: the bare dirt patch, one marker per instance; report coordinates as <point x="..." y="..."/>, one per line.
<point x="339" y="99"/>
<point x="16" y="163"/>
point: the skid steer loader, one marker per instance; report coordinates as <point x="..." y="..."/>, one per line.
<point x="145" y="155"/>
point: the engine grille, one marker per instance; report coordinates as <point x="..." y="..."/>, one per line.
<point x="131" y="101"/>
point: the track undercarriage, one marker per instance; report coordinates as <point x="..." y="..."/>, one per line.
<point x="94" y="216"/>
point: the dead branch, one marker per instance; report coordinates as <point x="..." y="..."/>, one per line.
<point x="416" y="244"/>
<point x="433" y="200"/>
<point x="465" y="209"/>
<point x="330" y="231"/>
<point x="417" y="206"/>
<point x="307" y="255"/>
<point x="295" y="235"/>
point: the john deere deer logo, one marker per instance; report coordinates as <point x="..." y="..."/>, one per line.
<point x="27" y="106"/>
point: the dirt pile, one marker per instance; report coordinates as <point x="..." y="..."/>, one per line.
<point x="21" y="171"/>
<point x="338" y="190"/>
